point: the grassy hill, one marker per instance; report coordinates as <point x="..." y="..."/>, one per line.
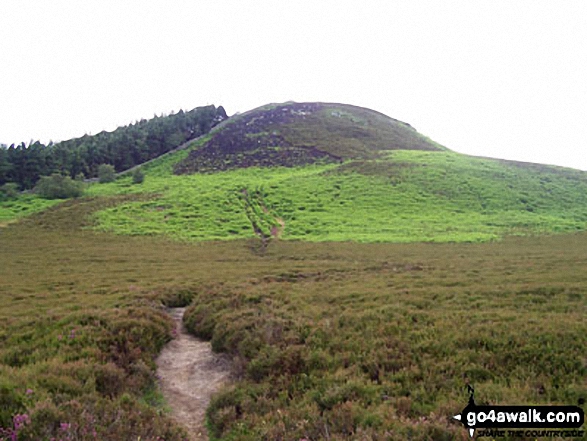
<point x="333" y="172"/>
<point x="330" y="172"/>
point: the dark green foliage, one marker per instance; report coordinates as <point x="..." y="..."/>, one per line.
<point x="58" y="186"/>
<point x="138" y="176"/>
<point x="9" y="191"/>
<point x="124" y="148"/>
<point x="5" y="165"/>
<point x="106" y="173"/>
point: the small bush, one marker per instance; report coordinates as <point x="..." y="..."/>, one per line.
<point x="11" y="402"/>
<point x="9" y="191"/>
<point x="92" y="418"/>
<point x="199" y="320"/>
<point x="106" y="173"/>
<point x="110" y="380"/>
<point x="138" y="176"/>
<point x="175" y="297"/>
<point x="58" y="186"/>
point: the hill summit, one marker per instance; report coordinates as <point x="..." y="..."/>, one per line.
<point x="294" y="134"/>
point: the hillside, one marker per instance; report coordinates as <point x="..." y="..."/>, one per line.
<point x="332" y="172"/>
<point x="296" y="134"/>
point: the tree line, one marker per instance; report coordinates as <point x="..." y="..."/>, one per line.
<point x="123" y="148"/>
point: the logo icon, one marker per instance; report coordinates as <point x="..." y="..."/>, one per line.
<point x="518" y="417"/>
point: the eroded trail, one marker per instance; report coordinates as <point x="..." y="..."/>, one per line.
<point x="189" y="374"/>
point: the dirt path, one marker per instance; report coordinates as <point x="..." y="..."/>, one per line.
<point x="189" y="374"/>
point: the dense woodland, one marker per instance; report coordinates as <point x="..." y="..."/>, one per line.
<point x="123" y="148"/>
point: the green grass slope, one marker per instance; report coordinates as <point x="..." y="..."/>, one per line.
<point x="23" y="206"/>
<point x="404" y="196"/>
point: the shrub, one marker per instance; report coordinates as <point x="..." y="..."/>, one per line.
<point x="174" y="296"/>
<point x="138" y="176"/>
<point x="92" y="418"/>
<point x="110" y="379"/>
<point x="11" y="402"/>
<point x="106" y="173"/>
<point x="9" y="191"/>
<point x="58" y="186"/>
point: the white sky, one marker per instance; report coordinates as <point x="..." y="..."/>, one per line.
<point x="498" y="78"/>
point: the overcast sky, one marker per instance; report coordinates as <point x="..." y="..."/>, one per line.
<point x="493" y="78"/>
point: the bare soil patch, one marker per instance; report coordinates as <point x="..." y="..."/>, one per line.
<point x="189" y="374"/>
